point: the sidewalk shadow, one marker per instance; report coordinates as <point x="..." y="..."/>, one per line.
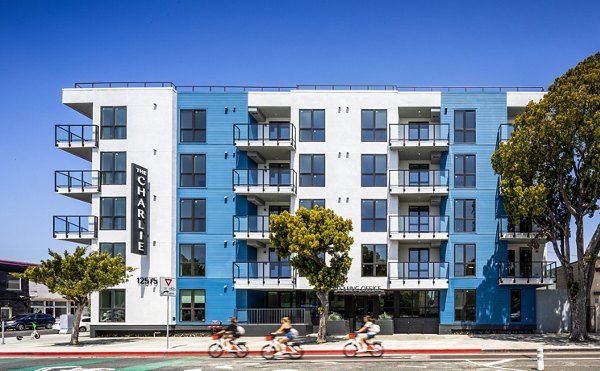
<point x="312" y="339"/>
<point x="549" y="339"/>
<point x="108" y="341"/>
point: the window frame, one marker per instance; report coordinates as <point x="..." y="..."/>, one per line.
<point x="463" y="219"/>
<point x="113" y="217"/>
<point x="197" y="269"/>
<point x="374" y="263"/>
<point x="415" y="303"/>
<point x="196" y="128"/>
<point x="311" y="127"/>
<point x="202" y="219"/>
<point x="114" y="126"/>
<point x="109" y="247"/>
<point x="113" y="171"/>
<point x="373" y="130"/>
<point x="192" y="307"/>
<point x="464" y="130"/>
<point x="201" y="175"/>
<point x="520" y="312"/>
<point x="10" y="278"/>
<point x="311" y="173"/>
<point x="373" y="218"/>
<point x="373" y="179"/>
<point x="462" y="314"/>
<point x="112" y="307"/>
<point x="465" y="175"/>
<point x="463" y="260"/>
<point x="313" y="202"/>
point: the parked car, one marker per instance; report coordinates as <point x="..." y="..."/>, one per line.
<point x="84" y="325"/>
<point x="25" y="321"/>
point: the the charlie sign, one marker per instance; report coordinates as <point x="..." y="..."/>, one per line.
<point x="139" y="210"/>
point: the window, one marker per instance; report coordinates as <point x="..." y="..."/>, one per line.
<point x="418" y="131"/>
<point x="280" y="174"/>
<point x="419" y="303"/>
<point x="113" y="123"/>
<point x="464" y="171"/>
<point x="464" y="126"/>
<point x="279" y="130"/>
<point x="464" y="260"/>
<point x="12" y="282"/>
<point x="418" y="219"/>
<point x="192" y="304"/>
<point x="418" y="175"/>
<point x="418" y="263"/>
<point x="515" y="305"/>
<point x="192" y="171"/>
<point x="374" y="170"/>
<point x="312" y="170"/>
<point x="464" y="305"/>
<point x="279" y="267"/>
<point x="113" y="166"/>
<point x="374" y="216"/>
<point x="112" y="213"/>
<point x="464" y="215"/>
<point x="312" y="125"/>
<point x="112" y="306"/>
<point x="374" y="125"/>
<point x="192" y="215"/>
<point x="192" y="260"/>
<point x="114" y="249"/>
<point x="311" y="203"/>
<point x="192" y="125"/>
<point x="374" y="260"/>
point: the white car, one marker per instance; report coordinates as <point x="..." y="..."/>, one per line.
<point x="84" y="325"/>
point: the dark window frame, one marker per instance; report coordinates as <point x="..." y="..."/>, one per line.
<point x="465" y="176"/>
<point x="111" y="307"/>
<point x="311" y="129"/>
<point x="373" y="219"/>
<point x="468" y="312"/>
<point x="311" y="172"/>
<point x="109" y="247"/>
<point x="460" y="260"/>
<point x="516" y="316"/>
<point x="193" y="306"/>
<point x="193" y="218"/>
<point x="375" y="178"/>
<point x="114" y="128"/>
<point x="461" y="132"/>
<point x="313" y="202"/>
<point x="195" y="176"/>
<point x="196" y="130"/>
<point x="377" y="268"/>
<point x="372" y="133"/>
<point x="197" y="263"/>
<point x="416" y="303"/>
<point x="110" y="176"/>
<point x="463" y="220"/>
<point x="114" y="218"/>
<point x="12" y="279"/>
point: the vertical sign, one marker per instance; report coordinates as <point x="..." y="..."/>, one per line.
<point x="139" y="210"/>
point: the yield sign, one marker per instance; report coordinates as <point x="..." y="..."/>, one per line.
<point x="168" y="286"/>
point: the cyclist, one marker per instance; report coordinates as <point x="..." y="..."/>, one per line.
<point x="285" y="329"/>
<point x="230" y="332"/>
<point x="370" y="329"/>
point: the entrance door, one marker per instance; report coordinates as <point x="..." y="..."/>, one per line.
<point x="418" y="263"/>
<point x="279" y="175"/>
<point x="418" y="219"/>
<point x="366" y="305"/>
<point x="278" y="267"/>
<point x="525" y="261"/>
<point x="418" y="175"/>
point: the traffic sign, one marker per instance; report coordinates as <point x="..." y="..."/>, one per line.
<point x="168" y="286"/>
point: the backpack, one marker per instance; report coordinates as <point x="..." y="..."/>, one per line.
<point x="374" y="328"/>
<point x="240" y="330"/>
<point x="294" y="332"/>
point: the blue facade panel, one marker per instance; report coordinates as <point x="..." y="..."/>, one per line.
<point x="222" y="111"/>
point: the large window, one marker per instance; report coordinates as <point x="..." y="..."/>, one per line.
<point x="374" y="216"/>
<point x="114" y="249"/>
<point x="112" y="306"/>
<point x="374" y="125"/>
<point x="374" y="260"/>
<point x="515" y="305"/>
<point x="192" y="215"/>
<point x="192" y="125"/>
<point x="464" y="260"/>
<point x="113" y="167"/>
<point x="312" y="125"/>
<point x="418" y="219"/>
<point x="465" y="305"/>
<point x="464" y="171"/>
<point x="311" y="203"/>
<point x="374" y="170"/>
<point x="419" y="303"/>
<point x="464" y="215"/>
<point x="112" y="213"/>
<point x="113" y="123"/>
<point x="12" y="282"/>
<point x="192" y="171"/>
<point x="464" y="126"/>
<point x="192" y="305"/>
<point x="312" y="170"/>
<point x="192" y="260"/>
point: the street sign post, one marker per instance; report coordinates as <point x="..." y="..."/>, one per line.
<point x="168" y="288"/>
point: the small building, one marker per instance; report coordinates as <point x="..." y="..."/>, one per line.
<point x="14" y="292"/>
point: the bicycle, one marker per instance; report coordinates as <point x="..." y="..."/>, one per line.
<point x="374" y="348"/>
<point x="238" y="348"/>
<point x="292" y="349"/>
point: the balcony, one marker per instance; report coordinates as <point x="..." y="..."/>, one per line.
<point x="418" y="275"/>
<point x="505" y="132"/>
<point x="79" y="140"/>
<point x="418" y="228"/>
<point x="75" y="228"/>
<point x="267" y="275"/>
<point x="412" y="184"/>
<point x="252" y="228"/>
<point x="536" y="273"/>
<point x="271" y="141"/>
<point x="521" y="232"/>
<point x="79" y="184"/>
<point x="270" y="185"/>
<point x="419" y="137"/>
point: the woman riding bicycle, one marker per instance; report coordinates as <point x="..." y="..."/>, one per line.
<point x="286" y="330"/>
<point x="230" y="332"/>
<point x="369" y="331"/>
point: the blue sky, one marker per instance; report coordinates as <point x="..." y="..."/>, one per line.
<point x="49" y="45"/>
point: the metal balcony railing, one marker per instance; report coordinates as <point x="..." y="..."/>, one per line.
<point x="75" y="226"/>
<point x="417" y="270"/>
<point x="538" y="270"/>
<point x="77" y="180"/>
<point x="417" y="179"/>
<point x="419" y="134"/>
<point x="272" y="134"/>
<point x="76" y="135"/>
<point x="525" y="229"/>
<point x="261" y="272"/>
<point x="266" y="179"/>
<point x="505" y="132"/>
<point x="251" y="224"/>
<point x="272" y="316"/>
<point x="407" y="224"/>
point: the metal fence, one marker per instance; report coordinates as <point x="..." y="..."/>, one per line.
<point x="272" y="315"/>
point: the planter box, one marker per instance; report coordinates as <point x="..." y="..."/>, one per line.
<point x="386" y="326"/>
<point x="338" y="327"/>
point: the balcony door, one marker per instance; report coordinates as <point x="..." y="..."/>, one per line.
<point x="511" y="263"/>
<point x="418" y="175"/>
<point x="279" y="267"/>
<point x="279" y="130"/>
<point x="279" y="175"/>
<point x="418" y="219"/>
<point x="525" y="262"/>
<point x="418" y="131"/>
<point x="418" y="263"/>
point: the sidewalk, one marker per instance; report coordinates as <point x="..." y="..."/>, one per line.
<point x="58" y="345"/>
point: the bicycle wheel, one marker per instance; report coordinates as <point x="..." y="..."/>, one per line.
<point x="215" y="350"/>
<point x="268" y="351"/>
<point x="298" y="351"/>
<point x="378" y="352"/>
<point x="242" y="352"/>
<point x="37" y="336"/>
<point x="350" y="349"/>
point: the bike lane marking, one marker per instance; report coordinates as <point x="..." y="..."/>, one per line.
<point x="156" y="365"/>
<point x="77" y="362"/>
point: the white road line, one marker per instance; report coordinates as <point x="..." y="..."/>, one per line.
<point x="500" y="362"/>
<point x="493" y="367"/>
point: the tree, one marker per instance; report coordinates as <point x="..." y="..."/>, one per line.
<point x="318" y="242"/>
<point x="76" y="276"/>
<point x="550" y="171"/>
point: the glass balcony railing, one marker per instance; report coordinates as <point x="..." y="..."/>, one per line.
<point x="528" y="271"/>
<point x="418" y="224"/>
<point x="266" y="180"/>
<point x="77" y="180"/>
<point x="75" y="227"/>
<point x="417" y="179"/>
<point x="419" y="134"/>
<point x="519" y="230"/>
<point x="418" y="270"/>
<point x="505" y="132"/>
<point x="251" y="225"/>
<point x="265" y="134"/>
<point x="76" y="135"/>
<point x="262" y="272"/>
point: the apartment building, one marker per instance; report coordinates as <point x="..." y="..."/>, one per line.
<point x="182" y="181"/>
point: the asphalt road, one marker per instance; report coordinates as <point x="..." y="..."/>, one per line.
<point x="507" y="362"/>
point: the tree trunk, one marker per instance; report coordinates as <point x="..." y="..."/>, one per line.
<point x="324" y="299"/>
<point x="579" y="315"/>
<point x="75" y="333"/>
